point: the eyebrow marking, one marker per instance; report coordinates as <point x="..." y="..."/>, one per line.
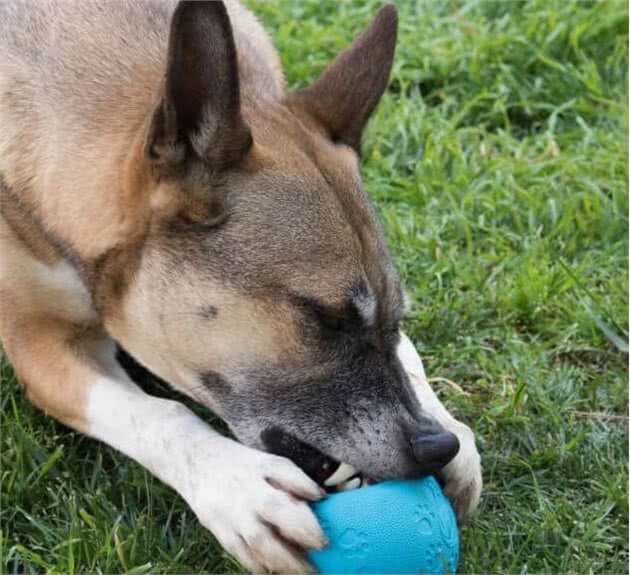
<point x="365" y="303"/>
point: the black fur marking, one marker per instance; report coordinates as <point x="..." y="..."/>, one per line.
<point x="313" y="462"/>
<point x="215" y="382"/>
<point x="209" y="312"/>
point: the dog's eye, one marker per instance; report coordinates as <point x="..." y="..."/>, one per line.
<point x="331" y="322"/>
<point x="199" y="223"/>
<point x="327" y="318"/>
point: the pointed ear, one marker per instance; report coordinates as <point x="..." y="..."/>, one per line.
<point x="200" y="112"/>
<point x="345" y="95"/>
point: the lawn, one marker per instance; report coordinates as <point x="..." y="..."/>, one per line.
<point x="498" y="161"/>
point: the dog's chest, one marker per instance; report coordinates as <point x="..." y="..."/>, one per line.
<point x="54" y="288"/>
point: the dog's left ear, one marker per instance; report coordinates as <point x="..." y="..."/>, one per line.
<point x="345" y="95"/>
<point x="200" y="111"/>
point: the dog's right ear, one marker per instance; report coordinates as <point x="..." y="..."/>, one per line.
<point x="200" y="111"/>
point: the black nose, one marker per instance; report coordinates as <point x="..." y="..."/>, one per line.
<point x="434" y="451"/>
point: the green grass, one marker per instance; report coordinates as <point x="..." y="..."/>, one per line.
<point x="498" y="160"/>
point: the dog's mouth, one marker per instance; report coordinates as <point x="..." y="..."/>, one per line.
<point x="331" y="474"/>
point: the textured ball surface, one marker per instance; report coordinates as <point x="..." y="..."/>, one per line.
<point x="391" y="527"/>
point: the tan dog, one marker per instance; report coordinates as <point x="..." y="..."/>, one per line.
<point x="160" y="190"/>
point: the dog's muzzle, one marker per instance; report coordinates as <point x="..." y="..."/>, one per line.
<point x="431" y="452"/>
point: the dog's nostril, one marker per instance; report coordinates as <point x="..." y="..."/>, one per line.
<point x="435" y="450"/>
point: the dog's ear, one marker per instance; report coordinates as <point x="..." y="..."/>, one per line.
<point x="200" y="111"/>
<point x="345" y="95"/>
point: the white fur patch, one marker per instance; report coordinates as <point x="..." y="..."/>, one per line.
<point x="463" y="473"/>
<point x="56" y="290"/>
<point x="152" y="431"/>
<point x="365" y="303"/>
<point x="64" y="287"/>
<point x="409" y="357"/>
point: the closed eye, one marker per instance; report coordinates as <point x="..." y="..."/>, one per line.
<point x="330" y="318"/>
<point x="331" y="321"/>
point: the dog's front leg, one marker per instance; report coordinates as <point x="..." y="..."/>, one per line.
<point x="252" y="501"/>
<point x="463" y="473"/>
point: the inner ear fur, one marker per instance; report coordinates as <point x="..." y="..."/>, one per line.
<point x="200" y="110"/>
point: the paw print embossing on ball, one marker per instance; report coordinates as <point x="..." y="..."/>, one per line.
<point x="438" y="559"/>
<point x="354" y="543"/>
<point x="424" y="519"/>
<point x="433" y="554"/>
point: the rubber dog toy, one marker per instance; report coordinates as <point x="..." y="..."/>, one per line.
<point x="390" y="527"/>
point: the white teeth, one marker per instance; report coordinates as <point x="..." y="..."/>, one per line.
<point x="352" y="484"/>
<point x="343" y="473"/>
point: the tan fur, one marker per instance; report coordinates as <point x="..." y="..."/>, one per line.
<point x="25" y="230"/>
<point x="45" y="312"/>
<point x="118" y="197"/>
<point x="107" y="133"/>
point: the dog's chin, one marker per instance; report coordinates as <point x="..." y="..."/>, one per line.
<point x="327" y="471"/>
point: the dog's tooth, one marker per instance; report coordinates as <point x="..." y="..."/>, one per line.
<point x="352" y="484"/>
<point x="343" y="473"/>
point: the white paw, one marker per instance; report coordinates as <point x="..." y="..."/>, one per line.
<point x="463" y="475"/>
<point x="254" y="504"/>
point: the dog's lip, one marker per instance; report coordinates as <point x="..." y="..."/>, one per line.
<point x="315" y="463"/>
<point x="286" y="444"/>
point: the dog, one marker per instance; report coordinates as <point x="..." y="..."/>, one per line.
<point x="161" y="190"/>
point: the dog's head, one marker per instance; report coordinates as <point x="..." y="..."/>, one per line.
<point x="264" y="287"/>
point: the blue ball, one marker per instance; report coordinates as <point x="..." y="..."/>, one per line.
<point x="390" y="527"/>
